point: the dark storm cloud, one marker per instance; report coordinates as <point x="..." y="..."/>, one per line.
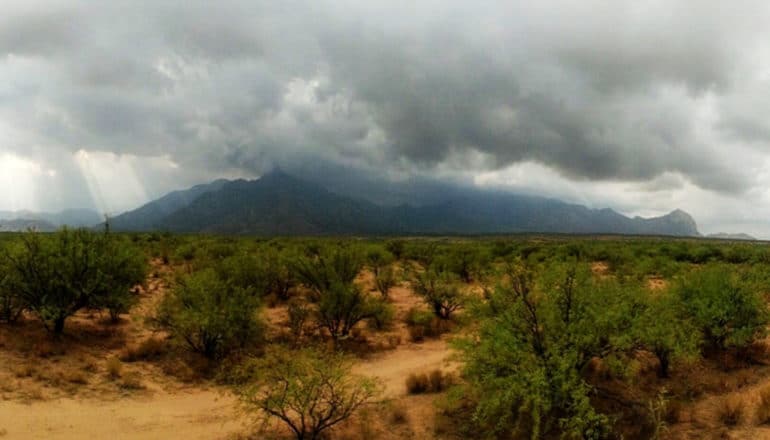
<point x="596" y="90"/>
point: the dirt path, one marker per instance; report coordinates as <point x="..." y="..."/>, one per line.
<point x="192" y="415"/>
<point x="394" y="367"/>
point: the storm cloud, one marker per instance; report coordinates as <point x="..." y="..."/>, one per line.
<point x="635" y="93"/>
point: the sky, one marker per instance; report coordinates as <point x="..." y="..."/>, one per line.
<point x="644" y="107"/>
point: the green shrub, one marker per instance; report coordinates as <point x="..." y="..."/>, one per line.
<point x="664" y="329"/>
<point x="211" y="317"/>
<point x="726" y="306"/>
<point x="342" y="306"/>
<point x="537" y="333"/>
<point x="11" y="304"/>
<point x="56" y="275"/>
<point x="331" y="266"/>
<point x="440" y="291"/>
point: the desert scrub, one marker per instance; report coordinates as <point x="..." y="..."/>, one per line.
<point x="210" y="317"/>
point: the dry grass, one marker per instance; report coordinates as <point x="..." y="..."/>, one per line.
<point x="434" y="382"/>
<point x="731" y="409"/>
<point x="131" y="381"/>
<point x="762" y="412"/>
<point x="417" y="383"/>
<point x="398" y="415"/>
<point x="114" y="368"/>
<point x="150" y="348"/>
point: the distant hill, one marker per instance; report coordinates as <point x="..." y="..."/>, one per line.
<point x="19" y="225"/>
<point x="280" y="204"/>
<point x="151" y="215"/>
<point x="728" y="236"/>
<point x="72" y="217"/>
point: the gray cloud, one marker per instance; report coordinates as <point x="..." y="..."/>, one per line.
<point x="597" y="91"/>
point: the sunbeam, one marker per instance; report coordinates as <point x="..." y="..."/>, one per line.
<point x="19" y="182"/>
<point x="112" y="180"/>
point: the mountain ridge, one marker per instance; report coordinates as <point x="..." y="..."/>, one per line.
<point x="281" y="204"/>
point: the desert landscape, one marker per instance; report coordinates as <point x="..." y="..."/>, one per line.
<point x="416" y="342"/>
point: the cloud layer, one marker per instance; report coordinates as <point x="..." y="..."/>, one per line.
<point x="648" y="94"/>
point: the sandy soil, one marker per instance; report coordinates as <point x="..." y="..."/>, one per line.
<point x="393" y="367"/>
<point x="193" y="415"/>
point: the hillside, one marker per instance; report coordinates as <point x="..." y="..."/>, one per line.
<point x="19" y="225"/>
<point x="71" y="217"/>
<point x="280" y="204"/>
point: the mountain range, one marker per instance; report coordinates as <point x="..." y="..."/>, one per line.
<point x="281" y="204"/>
<point x="47" y="221"/>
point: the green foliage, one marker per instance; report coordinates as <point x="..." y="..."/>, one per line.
<point x="328" y="267"/>
<point x="537" y="334"/>
<point x="57" y="275"/>
<point x="343" y="306"/>
<point x="439" y="290"/>
<point x="725" y="305"/>
<point x="385" y="279"/>
<point x="308" y="391"/>
<point x="122" y="267"/>
<point x="664" y="329"/>
<point x="211" y="316"/>
<point x="11" y="304"/>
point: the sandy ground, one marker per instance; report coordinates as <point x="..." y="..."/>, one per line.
<point x="393" y="367"/>
<point x="194" y="415"/>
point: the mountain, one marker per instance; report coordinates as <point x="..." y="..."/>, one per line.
<point x="729" y="236"/>
<point x="280" y="204"/>
<point x="150" y="216"/>
<point x="19" y="225"/>
<point x="72" y="217"/>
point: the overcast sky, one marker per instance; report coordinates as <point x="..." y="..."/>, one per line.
<point x="642" y="106"/>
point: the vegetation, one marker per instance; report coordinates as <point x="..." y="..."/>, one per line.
<point x="440" y="291"/>
<point x="557" y="337"/>
<point x="57" y="275"/>
<point x="309" y="391"/>
<point x="210" y="316"/>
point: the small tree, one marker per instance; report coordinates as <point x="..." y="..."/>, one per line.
<point x="725" y="305"/>
<point x="210" y="316"/>
<point x="384" y="280"/>
<point x="59" y="274"/>
<point x="439" y="291"/>
<point x="664" y="330"/>
<point x="308" y="391"/>
<point x="338" y="265"/>
<point x="11" y="305"/>
<point x="343" y="306"/>
<point x="123" y="267"/>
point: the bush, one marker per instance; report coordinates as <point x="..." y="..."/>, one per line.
<point x="417" y="383"/>
<point x="537" y="334"/>
<point x="299" y="312"/>
<point x="434" y="382"/>
<point x="57" y="275"/>
<point x="439" y="291"/>
<point x="330" y="267"/>
<point x="725" y="305"/>
<point x="209" y="316"/>
<point x="343" y="306"/>
<point x="149" y="348"/>
<point x="11" y="304"/>
<point x="664" y="329"/>
<point x="309" y="391"/>
<point x="384" y="280"/>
